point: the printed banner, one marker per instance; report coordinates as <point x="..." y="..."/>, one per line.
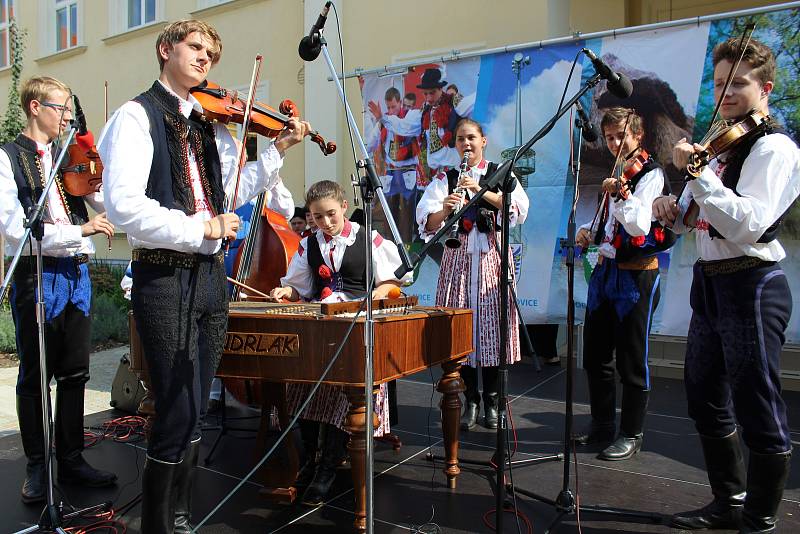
<point x="512" y="95"/>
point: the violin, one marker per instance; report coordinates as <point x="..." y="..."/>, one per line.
<point x="83" y="174"/>
<point x="632" y="166"/>
<point x="728" y="135"/>
<point x="226" y="106"/>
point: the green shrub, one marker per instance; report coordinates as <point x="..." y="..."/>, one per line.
<point x="7" y="332"/>
<point x="109" y="321"/>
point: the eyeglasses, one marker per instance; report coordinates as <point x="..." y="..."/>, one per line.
<point x="60" y="107"/>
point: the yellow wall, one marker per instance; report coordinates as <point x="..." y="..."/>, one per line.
<point x="375" y="33"/>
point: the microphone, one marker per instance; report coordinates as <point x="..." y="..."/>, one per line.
<point x="84" y="137"/>
<point x="310" y="45"/>
<point x="587" y="127"/>
<point x="618" y="84"/>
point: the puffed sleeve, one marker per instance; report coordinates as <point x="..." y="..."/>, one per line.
<point x="298" y="275"/>
<point x="432" y="201"/>
<point x="386" y="260"/>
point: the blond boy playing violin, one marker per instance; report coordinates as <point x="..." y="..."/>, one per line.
<point x="623" y="290"/>
<point x="167" y="173"/>
<point x="25" y="164"/>
<point x="741" y="301"/>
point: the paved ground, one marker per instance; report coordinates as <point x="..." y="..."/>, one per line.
<point x="103" y="367"/>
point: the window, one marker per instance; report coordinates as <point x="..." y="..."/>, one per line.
<point x="66" y="26"/>
<point x="6" y="12"/>
<point x="141" y="12"/>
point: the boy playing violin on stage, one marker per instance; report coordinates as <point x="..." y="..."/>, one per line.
<point x="623" y="289"/>
<point x="167" y="174"/>
<point x="25" y="165"/>
<point x="740" y="298"/>
<point x="330" y="266"/>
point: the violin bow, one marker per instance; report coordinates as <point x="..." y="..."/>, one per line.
<point x="617" y="160"/>
<point x="231" y="202"/>
<point x="744" y="41"/>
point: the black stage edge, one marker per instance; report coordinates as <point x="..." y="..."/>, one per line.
<point x="666" y="477"/>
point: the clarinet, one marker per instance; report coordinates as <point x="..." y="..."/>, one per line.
<point x="452" y="240"/>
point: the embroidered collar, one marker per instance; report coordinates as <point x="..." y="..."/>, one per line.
<point x="184" y="106"/>
<point x="343" y="235"/>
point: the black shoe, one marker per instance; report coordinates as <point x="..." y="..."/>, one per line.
<point x="318" y="489"/>
<point x="623" y="448"/>
<point x="470" y="417"/>
<point x="305" y="475"/>
<point x="717" y="515"/>
<point x="490" y="405"/>
<point x="34" y="486"/>
<point x="78" y="472"/>
<point x="490" y="417"/>
<point x="596" y="433"/>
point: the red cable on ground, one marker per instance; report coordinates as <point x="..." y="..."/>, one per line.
<point x="124" y="429"/>
<point x="519" y="514"/>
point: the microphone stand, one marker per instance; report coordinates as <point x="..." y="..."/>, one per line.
<point x="565" y="502"/>
<point x="52" y="518"/>
<point x="370" y="188"/>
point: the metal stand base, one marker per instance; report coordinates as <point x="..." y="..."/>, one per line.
<point x="515" y="463"/>
<point x="52" y="515"/>
<point x="565" y="505"/>
<point x="222" y="427"/>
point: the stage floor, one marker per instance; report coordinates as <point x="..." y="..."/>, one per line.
<point x="666" y="477"/>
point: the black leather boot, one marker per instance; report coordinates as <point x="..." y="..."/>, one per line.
<point x="726" y="475"/>
<point x="158" y="497"/>
<point x="184" y="476"/>
<point x="333" y="450"/>
<point x="29" y="414"/>
<point x="629" y="441"/>
<point x="472" y="396"/>
<point x="602" y="400"/>
<point x="309" y="432"/>
<point x="766" y="478"/>
<point x="490" y="410"/>
<point x="72" y="467"/>
<point x="490" y="398"/>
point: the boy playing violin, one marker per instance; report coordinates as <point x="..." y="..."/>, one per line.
<point x="167" y="174"/>
<point x="25" y="165"/>
<point x="623" y="289"/>
<point x="740" y="298"/>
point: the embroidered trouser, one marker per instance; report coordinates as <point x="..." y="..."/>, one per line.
<point x="181" y="317"/>
<point x="733" y="355"/>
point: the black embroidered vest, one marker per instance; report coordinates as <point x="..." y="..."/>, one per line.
<point x="352" y="274"/>
<point x="172" y="133"/>
<point x="733" y="171"/>
<point x="658" y="238"/>
<point x="482" y="214"/>
<point x="30" y="179"/>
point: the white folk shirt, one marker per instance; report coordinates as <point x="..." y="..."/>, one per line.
<point x="432" y="201"/>
<point x="385" y="261"/>
<point x="61" y="237"/>
<point x="768" y="184"/>
<point x="635" y="213"/>
<point x="126" y="149"/>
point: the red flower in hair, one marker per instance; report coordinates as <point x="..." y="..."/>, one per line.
<point x="325" y="272"/>
<point x="617" y="241"/>
<point x="326" y="292"/>
<point x="467" y="225"/>
<point x="637" y="240"/>
<point x="658" y="234"/>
